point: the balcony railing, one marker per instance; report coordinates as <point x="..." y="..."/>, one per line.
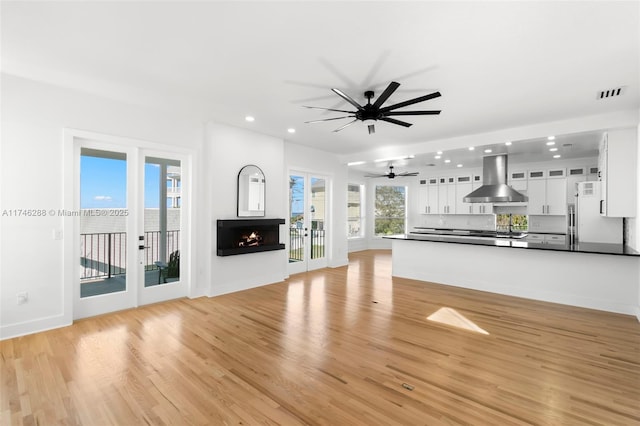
<point x="296" y="243"/>
<point x="104" y="255"/>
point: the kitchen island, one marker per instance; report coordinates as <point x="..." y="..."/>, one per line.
<point x="598" y="276"/>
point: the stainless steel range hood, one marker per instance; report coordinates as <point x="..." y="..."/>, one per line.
<point x="494" y="187"/>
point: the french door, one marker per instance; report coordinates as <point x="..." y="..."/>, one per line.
<point x="130" y="208"/>
<point x="308" y="225"/>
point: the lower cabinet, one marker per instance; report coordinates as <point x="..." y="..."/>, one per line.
<point x="546" y="238"/>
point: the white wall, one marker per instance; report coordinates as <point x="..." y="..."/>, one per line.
<point x="33" y="118"/>
<point x="227" y="149"/>
<point x="305" y="159"/>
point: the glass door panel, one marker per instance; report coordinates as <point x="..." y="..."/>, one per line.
<point x="318" y="216"/>
<point x="103" y="222"/>
<point x="297" y="224"/>
<point x="162" y="201"/>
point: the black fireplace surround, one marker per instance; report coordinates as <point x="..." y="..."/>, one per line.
<point x="242" y="236"/>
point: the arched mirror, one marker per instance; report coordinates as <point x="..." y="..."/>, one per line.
<point x="251" y="188"/>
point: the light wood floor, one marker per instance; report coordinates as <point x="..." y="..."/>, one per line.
<point x="346" y="346"/>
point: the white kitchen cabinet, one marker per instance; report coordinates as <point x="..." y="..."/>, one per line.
<point x="617" y="164"/>
<point x="547" y="195"/>
<point x="546" y="238"/>
<point x="447" y="195"/>
<point x="480" y="208"/>
<point x="575" y="175"/>
<point x="428" y="196"/>
<point x="464" y="186"/>
<point x="517" y="179"/>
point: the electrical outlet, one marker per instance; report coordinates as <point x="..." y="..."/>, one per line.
<point x="23" y="297"/>
<point x="57" y="234"/>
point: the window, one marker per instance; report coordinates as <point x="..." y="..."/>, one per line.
<point x="354" y="210"/>
<point x="390" y="210"/>
<point x="508" y="222"/>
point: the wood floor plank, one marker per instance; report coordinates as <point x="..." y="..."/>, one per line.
<point x="343" y="346"/>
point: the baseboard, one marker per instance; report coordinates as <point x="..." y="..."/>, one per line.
<point x="35" y="326"/>
<point x="339" y="263"/>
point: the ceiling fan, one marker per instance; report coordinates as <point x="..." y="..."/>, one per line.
<point x="373" y="112"/>
<point x="391" y="174"/>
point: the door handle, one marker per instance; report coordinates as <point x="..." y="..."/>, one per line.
<point x="142" y="247"/>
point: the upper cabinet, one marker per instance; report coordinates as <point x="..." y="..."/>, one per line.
<point x="617" y="171"/>
<point x="547" y="191"/>
<point x="428" y="196"/>
<point x="447" y="195"/>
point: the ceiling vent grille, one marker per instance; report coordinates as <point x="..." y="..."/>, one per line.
<point x="611" y="93"/>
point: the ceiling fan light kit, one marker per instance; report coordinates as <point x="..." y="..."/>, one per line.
<point x="391" y="174"/>
<point x="372" y="112"/>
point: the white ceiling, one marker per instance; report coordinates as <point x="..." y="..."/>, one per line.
<point x="497" y="64"/>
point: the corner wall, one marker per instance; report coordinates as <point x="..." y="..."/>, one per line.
<point x="226" y="150"/>
<point x="32" y="171"/>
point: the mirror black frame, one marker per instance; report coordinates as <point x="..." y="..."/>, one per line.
<point x="246" y="212"/>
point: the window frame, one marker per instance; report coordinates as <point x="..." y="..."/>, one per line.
<point x="405" y="209"/>
<point x="362" y="207"/>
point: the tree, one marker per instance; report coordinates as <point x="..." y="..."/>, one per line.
<point x="390" y="210"/>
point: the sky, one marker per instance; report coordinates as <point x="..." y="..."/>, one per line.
<point x="103" y="183"/>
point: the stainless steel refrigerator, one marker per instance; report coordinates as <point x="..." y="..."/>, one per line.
<point x="591" y="226"/>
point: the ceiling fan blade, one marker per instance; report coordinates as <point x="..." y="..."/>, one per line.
<point x="329" y="119"/>
<point x="435" y="112"/>
<point x="372" y="128"/>
<point x="385" y="95"/>
<point x="394" y="121"/>
<point x="384" y="175"/>
<point x="347" y="98"/>
<point x="411" y="101"/>
<point x="348" y="124"/>
<point x="327" y="109"/>
<point x="408" y="174"/>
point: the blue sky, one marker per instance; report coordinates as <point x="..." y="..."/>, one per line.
<point x="103" y="183"/>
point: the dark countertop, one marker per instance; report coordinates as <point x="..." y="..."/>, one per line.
<point x="595" y="248"/>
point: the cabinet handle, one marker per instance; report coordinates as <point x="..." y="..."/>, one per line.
<point x="601" y="206"/>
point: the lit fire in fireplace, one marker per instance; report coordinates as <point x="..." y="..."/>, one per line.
<point x="252" y="240"/>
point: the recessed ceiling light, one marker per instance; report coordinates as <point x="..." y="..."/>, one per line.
<point x="437" y="157"/>
<point x="447" y="161"/>
<point x="250" y="119"/>
<point x="551" y="138"/>
<point x="291" y="130"/>
<point x="439" y="152"/>
<point x="556" y="156"/>
<point x="459" y="165"/>
<point x="355" y="163"/>
<point x="471" y="148"/>
<point x="507" y="143"/>
<point x="553" y="149"/>
<point x="550" y="143"/>
<point x="488" y="151"/>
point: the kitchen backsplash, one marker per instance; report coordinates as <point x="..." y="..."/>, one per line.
<point x="485" y="222"/>
<point x="488" y="223"/>
<point x="547" y="223"/>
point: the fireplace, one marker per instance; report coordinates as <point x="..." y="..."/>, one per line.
<point x="242" y="236"/>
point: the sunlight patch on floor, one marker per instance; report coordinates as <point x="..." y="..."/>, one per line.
<point x="454" y="318"/>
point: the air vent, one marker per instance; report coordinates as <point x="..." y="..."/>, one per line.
<point x="610" y="93"/>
